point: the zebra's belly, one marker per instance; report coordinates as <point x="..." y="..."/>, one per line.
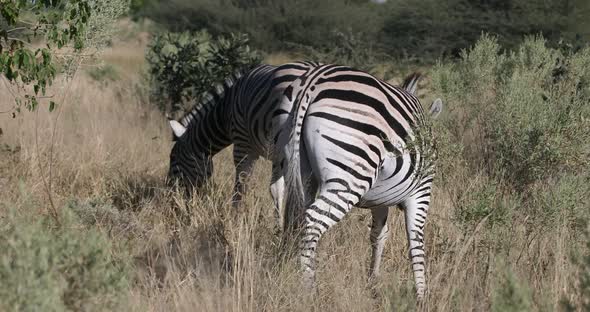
<point x="386" y="195"/>
<point x="394" y="183"/>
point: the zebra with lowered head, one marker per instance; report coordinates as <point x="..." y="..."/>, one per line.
<point x="355" y="140"/>
<point x="238" y="111"/>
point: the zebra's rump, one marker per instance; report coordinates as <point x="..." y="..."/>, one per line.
<point x="395" y="181"/>
<point x="359" y="126"/>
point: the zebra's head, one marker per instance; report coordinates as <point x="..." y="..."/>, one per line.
<point x="189" y="167"/>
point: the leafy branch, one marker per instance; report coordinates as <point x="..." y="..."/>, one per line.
<point x="48" y="24"/>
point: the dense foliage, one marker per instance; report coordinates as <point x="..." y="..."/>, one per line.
<point x="182" y="66"/>
<point x="515" y="136"/>
<point x="516" y="132"/>
<point x="433" y="28"/>
<point x="528" y="109"/>
<point x="401" y="28"/>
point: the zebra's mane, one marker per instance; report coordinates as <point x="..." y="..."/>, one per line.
<point x="211" y="98"/>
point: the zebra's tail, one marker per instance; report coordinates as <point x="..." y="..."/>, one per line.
<point x="295" y="192"/>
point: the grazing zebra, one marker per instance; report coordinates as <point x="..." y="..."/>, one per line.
<point x="238" y="111"/>
<point x="354" y="141"/>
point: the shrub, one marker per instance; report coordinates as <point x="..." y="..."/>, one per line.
<point x="55" y="269"/>
<point x="561" y="202"/>
<point x="521" y="116"/>
<point x="434" y="28"/>
<point x="399" y="297"/>
<point x="483" y="198"/>
<point x="352" y="49"/>
<point x="406" y="29"/>
<point x="272" y="24"/>
<point x="510" y="295"/>
<point x="579" y="299"/>
<point x="182" y="66"/>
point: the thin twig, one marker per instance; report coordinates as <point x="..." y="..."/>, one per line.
<point x="75" y="54"/>
<point x="54" y="130"/>
<point x="19" y="40"/>
<point x="8" y="88"/>
<point x="53" y="210"/>
<point x="48" y="182"/>
<point x="16" y="29"/>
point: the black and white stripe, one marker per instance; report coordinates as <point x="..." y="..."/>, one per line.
<point x="355" y="141"/>
<point x="238" y="111"/>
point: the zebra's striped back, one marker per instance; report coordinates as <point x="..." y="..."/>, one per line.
<point x="362" y="142"/>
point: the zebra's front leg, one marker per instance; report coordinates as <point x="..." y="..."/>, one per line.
<point x="244" y="166"/>
<point x="379" y="233"/>
<point x="415" y="211"/>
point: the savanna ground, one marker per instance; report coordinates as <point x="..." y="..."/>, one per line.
<point x="105" y="151"/>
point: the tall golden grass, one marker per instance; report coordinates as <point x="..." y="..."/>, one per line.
<point x="112" y="147"/>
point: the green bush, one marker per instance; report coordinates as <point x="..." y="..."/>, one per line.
<point x="182" y="66"/>
<point x="272" y="24"/>
<point x="352" y="49"/>
<point x="520" y="116"/>
<point x="417" y="31"/>
<point x="561" y="201"/>
<point x="483" y="199"/>
<point x="579" y="298"/>
<point x="510" y="295"/>
<point x="399" y="297"/>
<point x="43" y="268"/>
<point x="434" y="28"/>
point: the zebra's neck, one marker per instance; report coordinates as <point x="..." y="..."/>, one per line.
<point x="208" y="123"/>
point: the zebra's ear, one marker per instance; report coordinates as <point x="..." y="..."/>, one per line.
<point x="410" y="84"/>
<point x="177" y="128"/>
<point x="436" y="108"/>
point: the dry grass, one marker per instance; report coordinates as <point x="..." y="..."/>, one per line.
<point x="112" y="148"/>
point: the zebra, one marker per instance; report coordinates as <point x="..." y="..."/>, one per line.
<point x="354" y="140"/>
<point x="237" y="111"/>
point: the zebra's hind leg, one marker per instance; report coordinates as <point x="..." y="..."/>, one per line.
<point x="244" y="165"/>
<point x="329" y="208"/>
<point x="415" y="210"/>
<point x="278" y="190"/>
<point x="379" y="233"/>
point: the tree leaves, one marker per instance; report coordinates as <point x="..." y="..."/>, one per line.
<point x="59" y="22"/>
<point x="183" y="66"/>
